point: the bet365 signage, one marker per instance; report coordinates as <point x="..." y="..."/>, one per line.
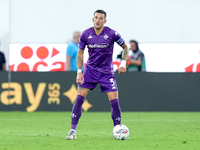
<point x="15" y="93"/>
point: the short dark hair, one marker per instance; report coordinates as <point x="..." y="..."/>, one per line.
<point x="100" y="11"/>
<point x="136" y="43"/>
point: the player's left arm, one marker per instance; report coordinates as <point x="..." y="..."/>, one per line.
<point x="122" y="67"/>
<point x="125" y="52"/>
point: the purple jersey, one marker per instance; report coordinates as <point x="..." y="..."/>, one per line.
<point x="100" y="48"/>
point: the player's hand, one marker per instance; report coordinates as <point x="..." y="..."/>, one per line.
<point x="122" y="70"/>
<point x="80" y="78"/>
<point x="122" y="67"/>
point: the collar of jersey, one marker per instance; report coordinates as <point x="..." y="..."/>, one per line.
<point x="93" y="32"/>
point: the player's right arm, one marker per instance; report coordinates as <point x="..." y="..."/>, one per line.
<point x="79" y="63"/>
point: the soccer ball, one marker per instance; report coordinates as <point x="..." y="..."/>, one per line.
<point x="120" y="132"/>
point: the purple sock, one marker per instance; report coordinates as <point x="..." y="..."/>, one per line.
<point x="115" y="111"/>
<point x="76" y="111"/>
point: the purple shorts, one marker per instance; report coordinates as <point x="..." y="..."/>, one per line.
<point x="92" y="77"/>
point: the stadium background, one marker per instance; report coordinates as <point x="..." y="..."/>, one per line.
<point x="54" y="21"/>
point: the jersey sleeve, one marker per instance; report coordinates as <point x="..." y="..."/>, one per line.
<point x="82" y="42"/>
<point x="118" y="39"/>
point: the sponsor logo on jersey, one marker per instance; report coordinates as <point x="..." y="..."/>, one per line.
<point x="101" y="45"/>
<point x="105" y="37"/>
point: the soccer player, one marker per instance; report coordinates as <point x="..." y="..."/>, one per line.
<point x="99" y="69"/>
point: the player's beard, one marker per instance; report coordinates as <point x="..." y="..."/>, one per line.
<point x="98" y="28"/>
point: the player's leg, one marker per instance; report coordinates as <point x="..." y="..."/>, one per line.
<point x="89" y="84"/>
<point x="115" y="107"/>
<point x="108" y="84"/>
<point x="77" y="107"/>
<point x="77" y="111"/>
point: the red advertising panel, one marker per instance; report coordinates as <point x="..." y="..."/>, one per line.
<point x="37" y="57"/>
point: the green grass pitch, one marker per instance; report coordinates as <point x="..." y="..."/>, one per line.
<point x="148" y="131"/>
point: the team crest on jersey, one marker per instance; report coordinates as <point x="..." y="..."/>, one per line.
<point x="90" y="37"/>
<point x="105" y="37"/>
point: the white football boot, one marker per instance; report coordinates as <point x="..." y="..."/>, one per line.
<point x="72" y="135"/>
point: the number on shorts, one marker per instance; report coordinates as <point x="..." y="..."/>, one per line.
<point x="112" y="83"/>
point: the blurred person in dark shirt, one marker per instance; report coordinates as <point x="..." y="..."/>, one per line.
<point x="136" y="60"/>
<point x="2" y="60"/>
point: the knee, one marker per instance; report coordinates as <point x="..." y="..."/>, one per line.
<point x="112" y="95"/>
<point x="83" y="92"/>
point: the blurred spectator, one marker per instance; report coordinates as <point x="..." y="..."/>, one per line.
<point x="136" y="60"/>
<point x="2" y="60"/>
<point x="72" y="51"/>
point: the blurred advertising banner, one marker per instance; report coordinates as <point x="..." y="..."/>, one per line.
<point x="37" y="57"/>
<point x="160" y="57"/>
<point x="172" y="57"/>
<point x="168" y="57"/>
